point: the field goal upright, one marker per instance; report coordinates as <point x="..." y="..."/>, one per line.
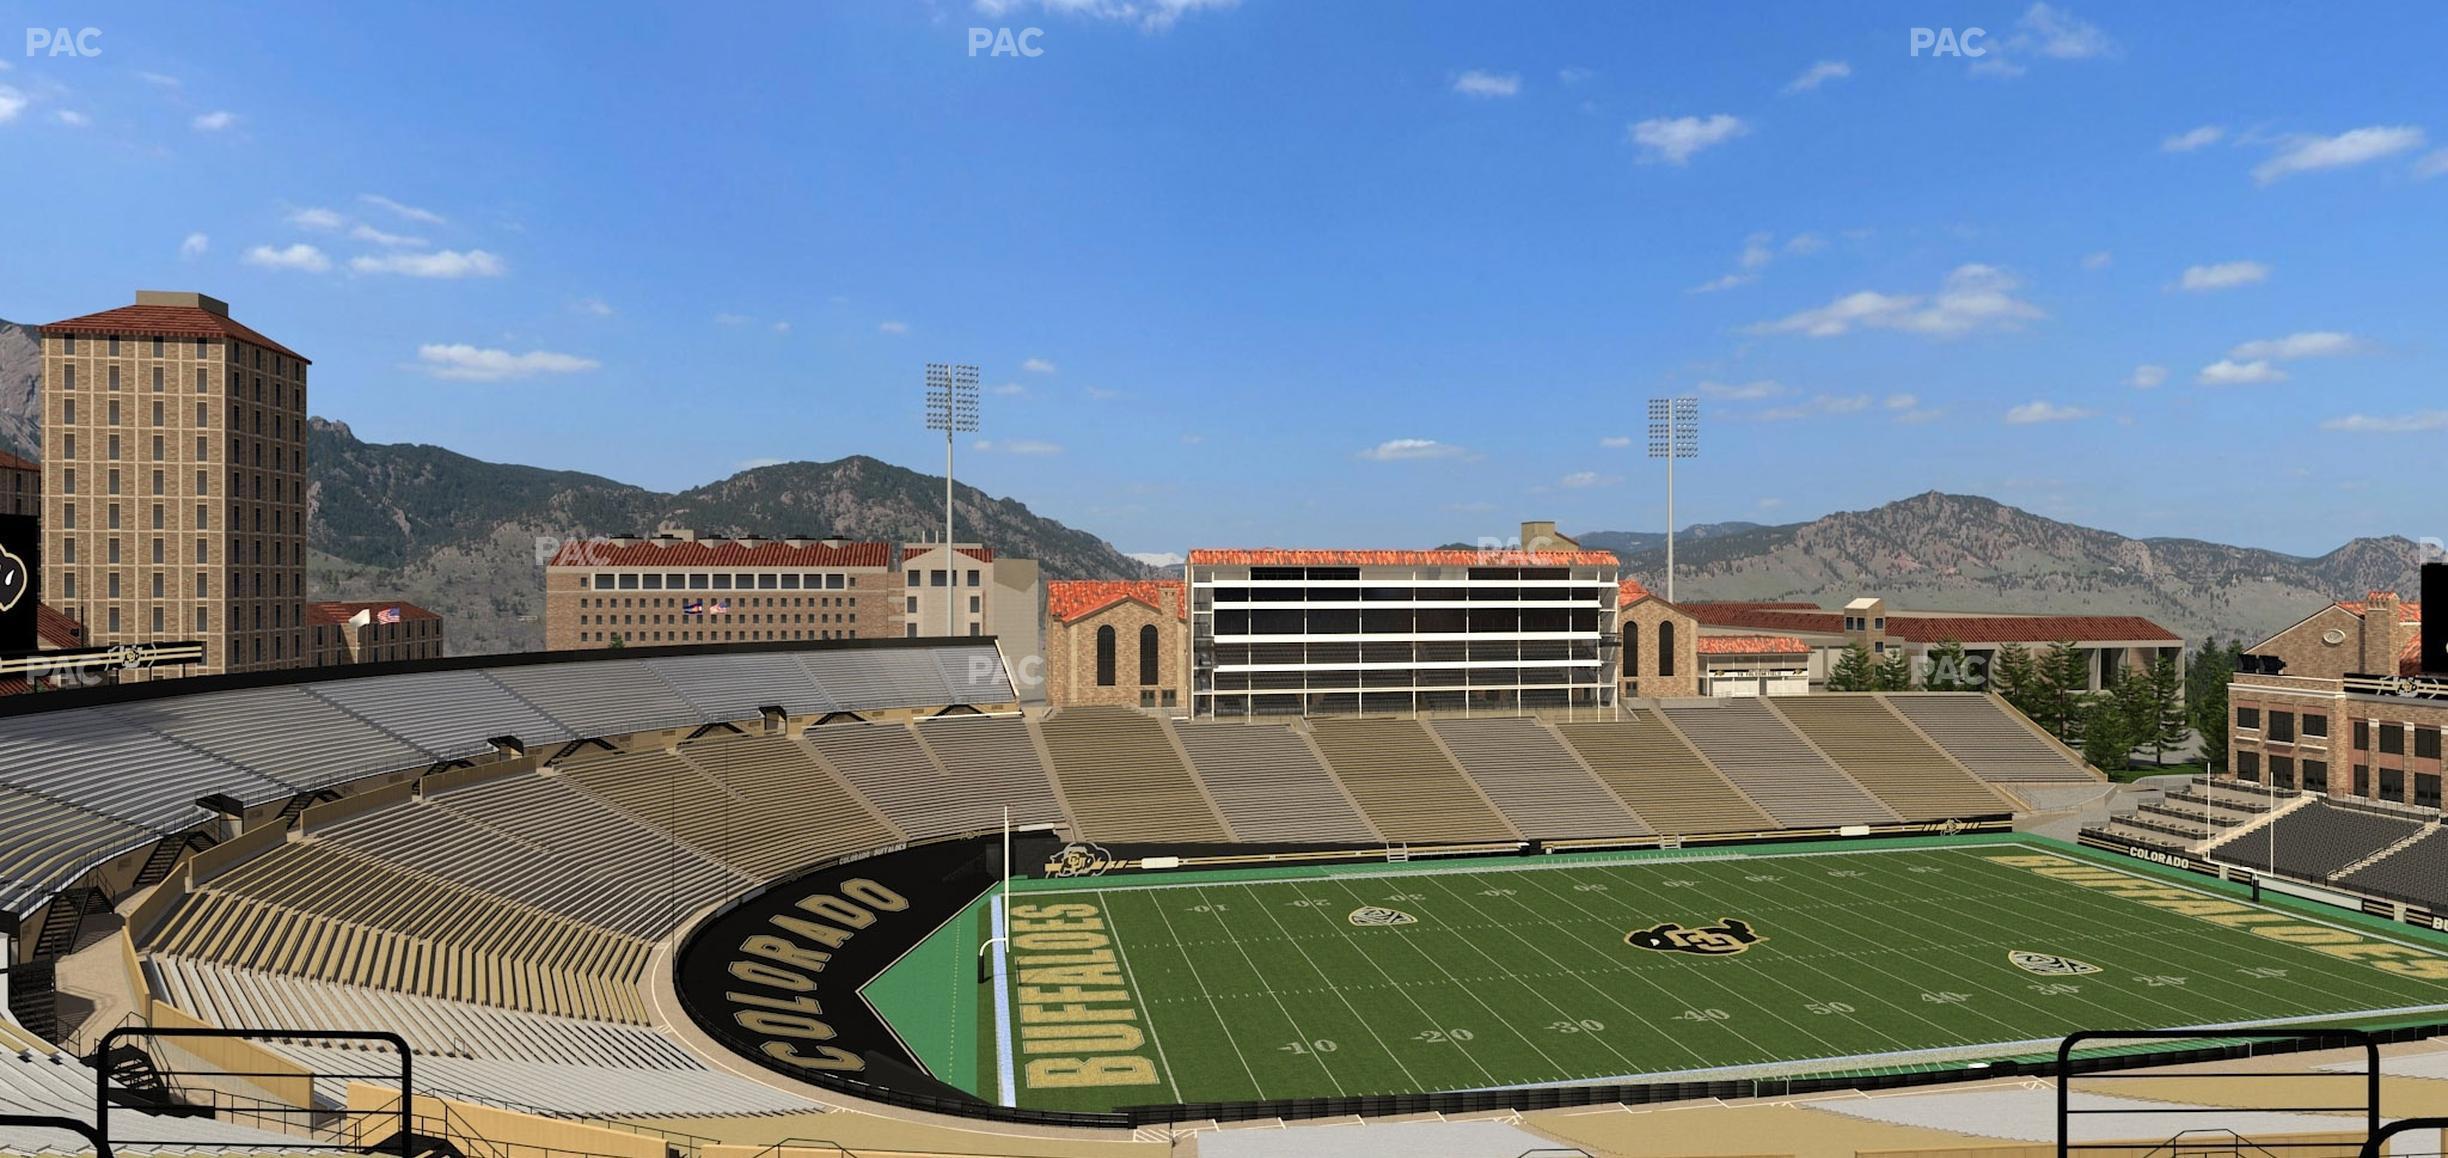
<point x="2266" y="1085"/>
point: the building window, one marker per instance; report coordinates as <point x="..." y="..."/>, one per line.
<point x="2392" y="739"/>
<point x="2315" y="727"/>
<point x="2362" y="737"/>
<point x="2248" y="719"/>
<point x="1105" y="656"/>
<point x="2248" y="765"/>
<point x="2315" y="776"/>
<point x="1149" y="654"/>
<point x="1666" y="649"/>
<point x="2427" y="743"/>
<point x="2282" y="727"/>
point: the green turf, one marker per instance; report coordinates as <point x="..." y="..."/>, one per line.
<point x="931" y="998"/>
<point x="1517" y="972"/>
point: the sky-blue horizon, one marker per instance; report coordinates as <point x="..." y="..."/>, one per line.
<point x="1262" y="272"/>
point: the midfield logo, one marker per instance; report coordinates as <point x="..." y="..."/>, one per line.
<point x="1376" y="917"/>
<point x="2049" y="964"/>
<point x="1728" y="936"/>
<point x="1082" y="859"/>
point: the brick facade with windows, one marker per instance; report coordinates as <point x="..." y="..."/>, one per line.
<point x="1120" y="642"/>
<point x="2300" y="728"/>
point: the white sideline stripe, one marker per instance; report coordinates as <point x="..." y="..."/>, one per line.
<point x="1006" y="1091"/>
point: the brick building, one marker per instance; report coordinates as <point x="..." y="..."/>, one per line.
<point x="1123" y="642"/>
<point x="2111" y="644"/>
<point x="174" y="482"/>
<point x="20" y="486"/>
<point x="2349" y="714"/>
<point x="372" y="632"/>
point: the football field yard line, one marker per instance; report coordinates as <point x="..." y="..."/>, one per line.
<point x="1656" y="1032"/>
<point x="1122" y="957"/>
<point x="1212" y="1007"/>
<point x="1299" y="1031"/>
<point x="1325" y="979"/>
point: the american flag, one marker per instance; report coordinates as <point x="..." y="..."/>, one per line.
<point x="389" y="615"/>
<point x="721" y="607"/>
<point x="693" y="607"/>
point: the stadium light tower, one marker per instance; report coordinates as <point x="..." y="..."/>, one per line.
<point x="952" y="407"/>
<point x="1674" y="432"/>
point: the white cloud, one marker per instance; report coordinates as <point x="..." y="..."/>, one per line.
<point x="1585" y="479"/>
<point x="1744" y="392"/>
<point x="2055" y="33"/>
<point x="214" y="121"/>
<point x="1478" y="83"/>
<point x="2421" y="421"/>
<point x="2147" y="377"/>
<point x="754" y="463"/>
<point x="1770" y="504"/>
<point x="159" y="80"/>
<point x="2040" y="411"/>
<point x="12" y="102"/>
<point x="1159" y="558"/>
<point x="2099" y="259"/>
<point x="1037" y="366"/>
<point x="2226" y="372"/>
<point x="1755" y="251"/>
<point x="1819" y="74"/>
<point x="2305" y="154"/>
<point x="1100" y="393"/>
<point x="1819" y="406"/>
<point x="463" y="363"/>
<point x="194" y="246"/>
<point x="732" y="319"/>
<point x="2225" y="275"/>
<point x="319" y="219"/>
<point x="1409" y="449"/>
<point x="1149" y="15"/>
<point x="368" y="233"/>
<point x="1017" y="446"/>
<point x="1973" y="298"/>
<point x="781" y="327"/>
<point x="1727" y="282"/>
<point x="2306" y="344"/>
<point x="1575" y="75"/>
<point x="1009" y="390"/>
<point x="2191" y="139"/>
<point x="1907" y="408"/>
<point x="1616" y="441"/>
<point x="1674" y="140"/>
<point x="892" y="327"/>
<point x="410" y="212"/>
<point x="445" y="263"/>
<point x="72" y="118"/>
<point x="596" y="307"/>
<point x="300" y="257"/>
<point x="2431" y="166"/>
<point x="1804" y="244"/>
<point x="1193" y="439"/>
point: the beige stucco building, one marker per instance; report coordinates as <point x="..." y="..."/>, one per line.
<point x="174" y="482"/>
<point x="1120" y="642"/>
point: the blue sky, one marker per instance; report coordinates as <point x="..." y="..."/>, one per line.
<point x="1276" y="273"/>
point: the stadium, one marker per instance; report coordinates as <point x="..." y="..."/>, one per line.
<point x="855" y="897"/>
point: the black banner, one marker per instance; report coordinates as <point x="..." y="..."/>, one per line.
<point x="2435" y="627"/>
<point x="775" y="978"/>
<point x="20" y="583"/>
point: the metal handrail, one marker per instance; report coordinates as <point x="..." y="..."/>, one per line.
<point x="65" y="1125"/>
<point x="2378" y="1143"/>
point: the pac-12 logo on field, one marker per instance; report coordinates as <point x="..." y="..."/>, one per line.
<point x="1728" y="936"/>
<point x="2049" y="964"/>
<point x="1379" y="917"/>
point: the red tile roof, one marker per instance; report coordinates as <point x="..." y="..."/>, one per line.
<point x="690" y="553"/>
<point x="1769" y="618"/>
<point x="343" y="611"/>
<point x="1072" y="600"/>
<point x="12" y="462"/>
<point x="2024" y="628"/>
<point x="1752" y="645"/>
<point x="2406" y="612"/>
<point x="166" y="322"/>
<point x="1282" y="557"/>
<point x="57" y="630"/>
<point x="981" y="554"/>
<point x="1629" y="592"/>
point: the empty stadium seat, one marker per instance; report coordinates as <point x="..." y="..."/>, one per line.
<point x="2315" y="840"/>
<point x="1405" y="783"/>
<point x="1662" y="778"/>
<point x="791" y="812"/>
<point x="1269" y="784"/>
<point x="1886" y="756"/>
<point x="1123" y="780"/>
<point x="2416" y="871"/>
<point x="1753" y="747"/>
<point x="1987" y="737"/>
<point x="1534" y="781"/>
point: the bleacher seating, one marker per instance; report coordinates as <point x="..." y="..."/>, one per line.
<point x="737" y="687"/>
<point x="602" y="698"/>
<point x="1662" y="778"/>
<point x="1883" y="753"/>
<point x="860" y="680"/>
<point x="546" y="809"/>
<point x="1269" y="785"/>
<point x="2315" y="840"/>
<point x="665" y="791"/>
<point x="973" y="674"/>
<point x="1534" y="781"/>
<point x="2415" y="872"/>
<point x="1780" y="773"/>
<point x="449" y="714"/>
<point x="100" y="764"/>
<point x="889" y="767"/>
<point x="282" y="734"/>
<point x="45" y="844"/>
<point x="1123" y="781"/>
<point x="574" y="1090"/>
<point x="39" y="1081"/>
<point x="791" y="812"/>
<point x="988" y="763"/>
<point x="1405" y="783"/>
<point x="1987" y="738"/>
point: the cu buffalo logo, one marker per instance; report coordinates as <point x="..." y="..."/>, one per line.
<point x="1082" y="859"/>
<point x="1723" y="939"/>
<point x="14" y="581"/>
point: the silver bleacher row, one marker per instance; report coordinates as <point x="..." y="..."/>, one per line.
<point x="81" y="786"/>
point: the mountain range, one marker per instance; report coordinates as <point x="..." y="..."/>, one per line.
<point x="1936" y="551"/>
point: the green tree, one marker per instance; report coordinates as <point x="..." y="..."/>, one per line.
<point x="1852" y="672"/>
<point x="2210" y="712"/>
<point x="1894" y="673"/>
<point x="2107" y="733"/>
<point x="2065" y="677"/>
<point x="1950" y="670"/>
<point x="2015" y="677"/>
<point x="2170" y="723"/>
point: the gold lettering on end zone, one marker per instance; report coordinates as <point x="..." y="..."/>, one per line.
<point x="1072" y="1002"/>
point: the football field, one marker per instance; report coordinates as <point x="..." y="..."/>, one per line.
<point x="1522" y="972"/>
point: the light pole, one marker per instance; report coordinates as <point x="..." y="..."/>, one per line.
<point x="1674" y="432"/>
<point x="952" y="407"/>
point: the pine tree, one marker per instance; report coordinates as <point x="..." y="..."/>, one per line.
<point x="2064" y="679"/>
<point x="1852" y="672"/>
<point x="2016" y="679"/>
<point x="1950" y="670"/>
<point x="1893" y="674"/>
<point x="2107" y="737"/>
<point x="2170" y="723"/>
<point x="2210" y="714"/>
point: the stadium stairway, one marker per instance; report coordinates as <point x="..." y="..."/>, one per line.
<point x="1540" y="786"/>
<point x="1776" y="767"/>
<point x="1410" y="789"/>
<point x="1661" y="777"/>
<point x="1887" y="756"/>
<point x="1270" y="783"/>
<point x="1126" y="780"/>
